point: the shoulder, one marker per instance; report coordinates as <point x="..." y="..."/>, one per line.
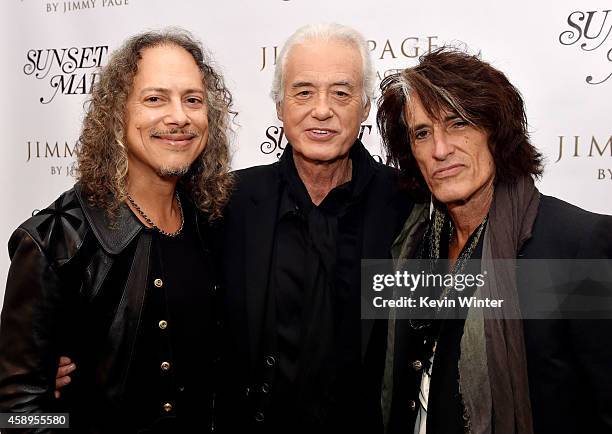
<point x="552" y="206"/>
<point x="254" y="181"/>
<point x="58" y="230"/>
<point x="564" y="218"/>
<point x="569" y="231"/>
<point x="256" y="173"/>
<point x="385" y="188"/>
<point x="386" y="176"/>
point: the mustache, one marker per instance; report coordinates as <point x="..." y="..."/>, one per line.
<point x="186" y="131"/>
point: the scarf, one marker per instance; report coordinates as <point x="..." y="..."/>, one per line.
<point x="493" y="378"/>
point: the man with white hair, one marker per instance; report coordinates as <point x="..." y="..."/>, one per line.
<point x="297" y="357"/>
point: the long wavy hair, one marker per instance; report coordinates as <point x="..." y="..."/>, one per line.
<point x="102" y="154"/>
<point x="451" y="80"/>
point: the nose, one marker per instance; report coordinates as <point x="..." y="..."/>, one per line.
<point x="176" y="114"/>
<point x="443" y="144"/>
<point x="322" y="109"/>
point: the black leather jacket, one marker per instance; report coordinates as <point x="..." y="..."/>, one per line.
<point x="75" y="287"/>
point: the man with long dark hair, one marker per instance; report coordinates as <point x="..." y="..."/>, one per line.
<point x="456" y="127"/>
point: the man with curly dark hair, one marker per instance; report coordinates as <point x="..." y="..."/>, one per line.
<point x="117" y="273"/>
<point x="456" y="128"/>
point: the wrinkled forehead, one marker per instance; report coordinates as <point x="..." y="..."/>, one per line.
<point x="415" y="111"/>
<point x="324" y="57"/>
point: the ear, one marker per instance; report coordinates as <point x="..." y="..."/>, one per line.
<point x="279" y="111"/>
<point x="366" y="111"/>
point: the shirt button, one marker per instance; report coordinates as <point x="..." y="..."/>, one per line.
<point x="417" y="365"/>
<point x="412" y="405"/>
<point x="270" y="361"/>
<point x="265" y="388"/>
<point x="158" y="283"/>
<point x="165" y="366"/>
<point x="163" y="324"/>
<point x="259" y="416"/>
<point x="167" y="407"/>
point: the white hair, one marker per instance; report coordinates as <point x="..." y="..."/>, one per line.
<point x="326" y="32"/>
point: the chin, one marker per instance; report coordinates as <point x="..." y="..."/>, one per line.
<point x="449" y="196"/>
<point x="169" y="172"/>
<point x="321" y="153"/>
<point x="322" y="157"/>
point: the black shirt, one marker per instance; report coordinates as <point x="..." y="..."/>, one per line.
<point x="169" y="388"/>
<point x="315" y="303"/>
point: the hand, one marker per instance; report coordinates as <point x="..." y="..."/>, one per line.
<point x="65" y="368"/>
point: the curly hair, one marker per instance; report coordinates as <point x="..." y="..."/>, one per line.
<point x="450" y="80"/>
<point x="102" y="156"/>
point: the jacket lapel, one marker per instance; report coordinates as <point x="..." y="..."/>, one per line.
<point x="370" y="241"/>
<point x="383" y="216"/>
<point x="113" y="236"/>
<point x="260" y="231"/>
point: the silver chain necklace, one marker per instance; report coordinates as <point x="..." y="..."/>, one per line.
<point x="152" y="224"/>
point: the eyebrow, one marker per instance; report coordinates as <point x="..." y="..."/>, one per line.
<point x="447" y="118"/>
<point x="309" y="83"/>
<point x="301" y="84"/>
<point x="420" y="126"/>
<point x="165" y="90"/>
<point x="343" y="83"/>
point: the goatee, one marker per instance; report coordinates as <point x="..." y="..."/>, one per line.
<point x="170" y="172"/>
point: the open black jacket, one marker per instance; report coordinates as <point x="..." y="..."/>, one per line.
<point x="569" y="361"/>
<point x="247" y="243"/>
<point x="75" y="287"/>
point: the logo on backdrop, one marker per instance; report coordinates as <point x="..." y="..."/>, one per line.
<point x="60" y="153"/>
<point x="384" y="49"/>
<point x="68" y="71"/>
<point x="573" y="147"/>
<point x="591" y="30"/>
<point x="81" y="5"/>
<point x="276" y="140"/>
<point x="407" y="49"/>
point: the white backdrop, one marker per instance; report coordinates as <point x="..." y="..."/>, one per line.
<point x="548" y="51"/>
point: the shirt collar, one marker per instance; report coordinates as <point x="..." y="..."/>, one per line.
<point x="296" y="195"/>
